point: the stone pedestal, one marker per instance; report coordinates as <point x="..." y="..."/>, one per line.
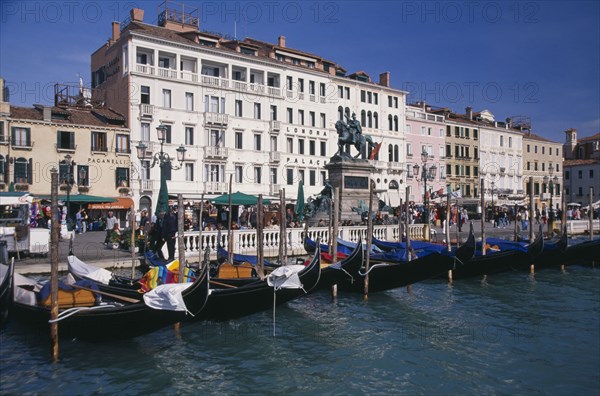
<point x="352" y="177"/>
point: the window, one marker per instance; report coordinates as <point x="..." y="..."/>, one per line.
<point x="257" y="142"/>
<point x="2" y="168"/>
<point x="311" y="87"/>
<point x="535" y="166"/>
<point x="423" y="131"/>
<point x="448" y="170"/>
<point x="189" y="136"/>
<point x="83" y="181"/>
<point x="189" y="172"/>
<point x="274" y="144"/>
<point x="448" y="151"/>
<point x="580" y="174"/>
<point x="145" y="95"/>
<point x="535" y="149"/>
<point x="290" y="115"/>
<point x="510" y="141"/>
<point x="591" y="173"/>
<point x="340" y="92"/>
<point x="396" y="123"/>
<point x="396" y="103"/>
<point x="122" y="143"/>
<point x="375" y="98"/>
<point x="215" y="138"/>
<point x="409" y="151"/>
<point x="312" y="118"/>
<point x="312" y="147"/>
<point x="257" y="174"/>
<point x="321" y="89"/>
<point x="347" y="89"/>
<point x="166" y="98"/>
<point x="369" y="97"/>
<point x="145" y="132"/>
<point x="257" y="111"/>
<point x="290" y="176"/>
<point x="211" y="104"/>
<point x="144" y="170"/>
<point x="300" y="146"/>
<point x="301" y="84"/>
<point x="475" y="134"/>
<point x="21" y="137"/>
<point x="189" y="101"/>
<point x="323" y="149"/>
<point x="239" y="140"/>
<point x="528" y="148"/>
<point x="301" y="117"/>
<point x="543" y="166"/>
<point x="567" y="174"/>
<point x="543" y="150"/>
<point x="99" y="141"/>
<point x="312" y="177"/>
<point x="580" y="191"/>
<point x="122" y="177"/>
<point x="301" y="175"/>
<point x="167" y="133"/>
<point x="65" y="140"/>
<point x="289" y="83"/>
<point x="290" y="145"/>
<point x="528" y="165"/>
<point x="22" y="171"/>
<point x="238" y="108"/>
<point x="273" y="113"/>
<point x="239" y="171"/>
<point x="475" y="171"/>
<point x="273" y="175"/>
<point x="475" y="153"/>
<point x="363" y="96"/>
<point x="323" y="120"/>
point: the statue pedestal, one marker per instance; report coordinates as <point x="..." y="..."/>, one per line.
<point x="352" y="177"/>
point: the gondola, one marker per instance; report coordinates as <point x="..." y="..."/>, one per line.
<point x="6" y="290"/>
<point x="583" y="253"/>
<point x="499" y="261"/>
<point x="553" y="253"/>
<point x="387" y="246"/>
<point x="112" y="320"/>
<point x="389" y="276"/>
<point x="310" y="246"/>
<point x="223" y="256"/>
<point x="344" y="271"/>
<point x="226" y="301"/>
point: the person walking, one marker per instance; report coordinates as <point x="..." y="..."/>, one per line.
<point x="169" y="230"/>
<point x="111" y="220"/>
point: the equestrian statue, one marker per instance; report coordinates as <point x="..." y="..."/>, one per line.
<point x="350" y="134"/>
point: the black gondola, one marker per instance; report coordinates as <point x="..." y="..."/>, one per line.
<point x="390" y="276"/>
<point x="494" y="262"/>
<point x="6" y="290"/>
<point x="584" y="253"/>
<point x="553" y="253"/>
<point x="110" y="321"/>
<point x="227" y="301"/>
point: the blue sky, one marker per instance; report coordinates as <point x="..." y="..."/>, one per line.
<point x="535" y="58"/>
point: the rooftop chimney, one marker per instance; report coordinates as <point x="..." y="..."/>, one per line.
<point x="282" y="41"/>
<point x="469" y="113"/>
<point x="137" y="15"/>
<point x="116" y="31"/>
<point x="47" y="112"/>
<point x="384" y="79"/>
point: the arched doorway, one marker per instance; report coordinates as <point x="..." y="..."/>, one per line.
<point x="146" y="203"/>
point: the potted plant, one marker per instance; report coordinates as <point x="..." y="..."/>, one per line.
<point x="114" y="239"/>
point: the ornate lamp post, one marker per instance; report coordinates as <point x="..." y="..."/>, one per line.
<point x="69" y="183"/>
<point x="551" y="182"/>
<point x="425" y="175"/>
<point x="493" y="185"/>
<point x="164" y="161"/>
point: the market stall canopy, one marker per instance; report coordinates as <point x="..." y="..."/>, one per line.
<point x="119" y="203"/>
<point x="80" y="198"/>
<point x="15" y="198"/>
<point x="238" y="198"/>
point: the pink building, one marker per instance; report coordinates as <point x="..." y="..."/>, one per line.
<point x="425" y="132"/>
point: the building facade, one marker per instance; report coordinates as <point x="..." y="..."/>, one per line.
<point x="581" y="168"/>
<point x="259" y="114"/>
<point x="425" y="131"/>
<point x="89" y="147"/>
<point x="542" y="160"/>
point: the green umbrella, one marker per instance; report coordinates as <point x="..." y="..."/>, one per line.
<point x="300" y="201"/>
<point x="238" y="198"/>
<point x="162" y="204"/>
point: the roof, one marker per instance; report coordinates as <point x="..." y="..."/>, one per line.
<point x="579" y="162"/>
<point x="104" y="117"/>
<point x="533" y="136"/>
<point x="590" y="138"/>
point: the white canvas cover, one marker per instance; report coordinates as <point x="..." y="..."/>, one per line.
<point x="167" y="297"/>
<point x="88" y="271"/>
<point x="285" y="277"/>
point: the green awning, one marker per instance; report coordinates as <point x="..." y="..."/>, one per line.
<point x="80" y="198"/>
<point x="238" y="198"/>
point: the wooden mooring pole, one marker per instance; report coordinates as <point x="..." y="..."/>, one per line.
<point x="54" y="236"/>
<point x="531" y="217"/>
<point x="335" y="217"/>
<point x="181" y="249"/>
<point x="369" y="237"/>
<point x="133" y="241"/>
<point x="447" y="229"/>
<point x="260" y="252"/>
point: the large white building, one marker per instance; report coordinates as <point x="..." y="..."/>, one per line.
<point x="263" y="114"/>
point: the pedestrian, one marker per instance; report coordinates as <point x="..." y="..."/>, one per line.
<point x="84" y="221"/>
<point x="169" y="230"/>
<point x="78" y="222"/>
<point x="111" y="220"/>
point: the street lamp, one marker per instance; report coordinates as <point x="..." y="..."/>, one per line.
<point x="161" y="158"/>
<point x="69" y="183"/>
<point x="551" y="182"/>
<point x="426" y="174"/>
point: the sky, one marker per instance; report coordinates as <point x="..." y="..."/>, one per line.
<point x="539" y="59"/>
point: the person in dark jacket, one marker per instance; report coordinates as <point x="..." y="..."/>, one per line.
<point x="169" y="230"/>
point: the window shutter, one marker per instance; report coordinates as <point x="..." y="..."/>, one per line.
<point x="58" y="139"/>
<point x="29" y="167"/>
<point x="28" y="137"/>
<point x="13" y="137"/>
<point x="6" y="169"/>
<point x="72" y="140"/>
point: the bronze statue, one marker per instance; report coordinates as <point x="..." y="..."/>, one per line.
<point x="350" y="134"/>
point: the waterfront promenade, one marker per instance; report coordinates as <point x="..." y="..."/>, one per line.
<point x="90" y="248"/>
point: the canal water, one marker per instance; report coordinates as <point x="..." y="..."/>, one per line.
<point x="513" y="334"/>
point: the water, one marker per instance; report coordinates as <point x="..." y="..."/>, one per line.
<point x="515" y="334"/>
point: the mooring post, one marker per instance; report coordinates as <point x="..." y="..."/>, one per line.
<point x="369" y="234"/>
<point x="54" y="237"/>
<point x="335" y="219"/>
<point x="531" y="217"/>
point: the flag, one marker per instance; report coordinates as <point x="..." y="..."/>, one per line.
<point x="300" y="201"/>
<point x="457" y="193"/>
<point x="375" y="151"/>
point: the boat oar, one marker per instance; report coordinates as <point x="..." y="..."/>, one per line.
<point x="222" y="284"/>
<point x="122" y="298"/>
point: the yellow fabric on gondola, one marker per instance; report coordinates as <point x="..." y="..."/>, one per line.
<point x="158" y="275"/>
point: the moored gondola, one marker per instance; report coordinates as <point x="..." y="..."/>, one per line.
<point x="6" y="290"/>
<point x="387" y="276"/>
<point x="111" y="320"/>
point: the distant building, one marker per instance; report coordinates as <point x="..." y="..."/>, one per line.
<point x="581" y="167"/>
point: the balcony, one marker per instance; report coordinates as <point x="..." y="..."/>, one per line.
<point x="274" y="156"/>
<point x="274" y="189"/>
<point x="146" y="110"/>
<point x="146" y="185"/>
<point x="145" y="69"/>
<point x="167" y="73"/>
<point x="274" y="91"/>
<point x="395" y="167"/>
<point x="215" y="187"/>
<point x="65" y="149"/>
<point x="312" y="98"/>
<point x="275" y="126"/>
<point x="187" y="76"/>
<point x="215" y="152"/>
<point x="214" y="81"/>
<point x="216" y="119"/>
